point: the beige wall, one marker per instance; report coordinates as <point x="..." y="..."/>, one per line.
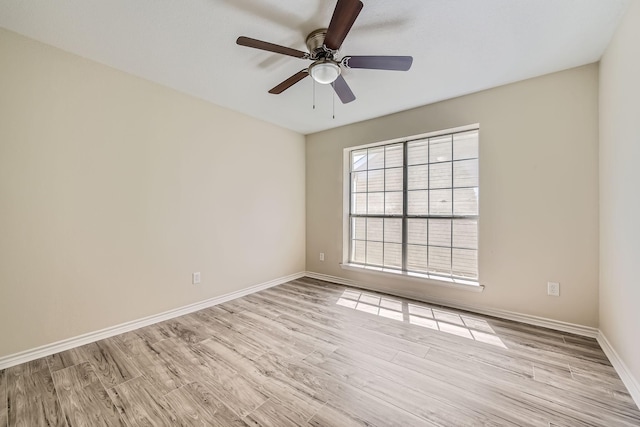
<point x="619" y="193"/>
<point x="538" y="203"/>
<point x="113" y="190"/>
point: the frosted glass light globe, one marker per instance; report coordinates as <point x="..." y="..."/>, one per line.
<point x="324" y="72"/>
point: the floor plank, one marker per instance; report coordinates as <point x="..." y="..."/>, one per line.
<point x="285" y="397"/>
<point x="195" y="405"/>
<point x="3" y="398"/>
<point x="165" y="375"/>
<point x="27" y="368"/>
<point x="228" y="384"/>
<point x="351" y="406"/>
<point x="31" y="396"/>
<point x="109" y="363"/>
<point x="84" y="400"/>
<point x="138" y="403"/>
<point x="314" y="353"/>
<point x="65" y="359"/>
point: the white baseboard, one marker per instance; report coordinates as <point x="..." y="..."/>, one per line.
<point x="627" y="378"/>
<point x="56" y="347"/>
<point x="503" y="314"/>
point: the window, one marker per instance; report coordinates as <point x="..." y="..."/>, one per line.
<point x="413" y="205"/>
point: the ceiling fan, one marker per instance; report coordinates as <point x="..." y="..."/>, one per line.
<point x="323" y="45"/>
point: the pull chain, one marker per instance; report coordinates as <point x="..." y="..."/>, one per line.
<point x="314" y="94"/>
<point x="333" y="103"/>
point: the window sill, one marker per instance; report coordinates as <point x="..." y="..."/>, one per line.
<point x="461" y="284"/>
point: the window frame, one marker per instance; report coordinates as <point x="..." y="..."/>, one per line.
<point x="432" y="278"/>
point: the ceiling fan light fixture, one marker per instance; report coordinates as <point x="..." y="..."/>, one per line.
<point x="323" y="45"/>
<point x="324" y="71"/>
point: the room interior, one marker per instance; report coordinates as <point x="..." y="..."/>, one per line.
<point x="125" y="166"/>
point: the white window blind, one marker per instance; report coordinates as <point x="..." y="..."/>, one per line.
<point x="414" y="205"/>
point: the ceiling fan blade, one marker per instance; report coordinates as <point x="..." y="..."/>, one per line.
<point x="270" y="47"/>
<point x="395" y="63"/>
<point x="343" y="90"/>
<point x="344" y="16"/>
<point x="289" y="82"/>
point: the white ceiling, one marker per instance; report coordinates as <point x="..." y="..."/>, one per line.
<point x="459" y="47"/>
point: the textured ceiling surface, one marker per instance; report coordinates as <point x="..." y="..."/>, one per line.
<point x="459" y="47"/>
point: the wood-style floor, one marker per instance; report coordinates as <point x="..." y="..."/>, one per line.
<point x="313" y="353"/>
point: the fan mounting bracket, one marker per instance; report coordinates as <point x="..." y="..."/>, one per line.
<point x="316" y="46"/>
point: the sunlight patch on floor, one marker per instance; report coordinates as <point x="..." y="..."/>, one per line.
<point x="436" y="319"/>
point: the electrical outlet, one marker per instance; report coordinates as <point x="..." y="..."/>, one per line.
<point x="195" y="278"/>
<point x="321" y="256"/>
<point x="553" y="289"/>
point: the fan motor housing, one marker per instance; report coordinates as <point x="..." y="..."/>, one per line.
<point x="315" y="42"/>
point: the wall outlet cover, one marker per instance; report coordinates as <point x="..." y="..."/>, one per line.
<point x="553" y="289"/>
